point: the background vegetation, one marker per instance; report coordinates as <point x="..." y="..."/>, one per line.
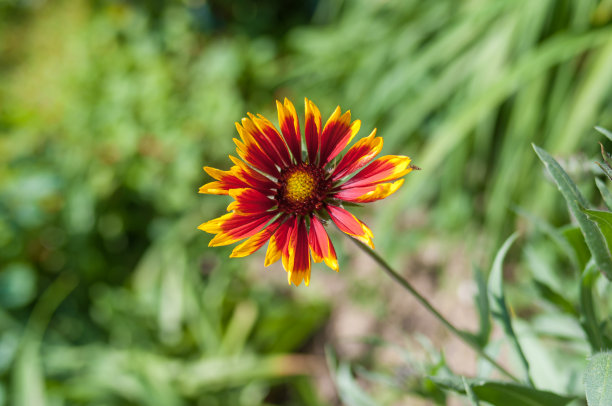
<point x="108" y="110"/>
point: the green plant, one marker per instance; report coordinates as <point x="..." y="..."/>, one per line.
<point x="570" y="280"/>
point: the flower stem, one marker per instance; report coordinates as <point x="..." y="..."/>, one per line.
<point x="406" y="285"/>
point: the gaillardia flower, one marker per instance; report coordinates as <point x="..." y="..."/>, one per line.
<point x="285" y="190"/>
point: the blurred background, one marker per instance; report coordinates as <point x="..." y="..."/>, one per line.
<point x="109" y="109"/>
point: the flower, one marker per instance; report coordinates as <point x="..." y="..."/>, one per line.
<point x="284" y="193"/>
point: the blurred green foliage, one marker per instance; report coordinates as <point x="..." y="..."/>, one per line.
<point x="108" y="110"/>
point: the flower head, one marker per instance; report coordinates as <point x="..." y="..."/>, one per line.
<point x="284" y="193"/>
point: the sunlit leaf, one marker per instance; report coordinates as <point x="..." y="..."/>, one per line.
<point x="605" y="132"/>
<point x="598" y="380"/>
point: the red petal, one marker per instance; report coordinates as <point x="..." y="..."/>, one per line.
<point x="321" y="246"/>
<point x="226" y="180"/>
<point x="312" y="130"/>
<point x="384" y="169"/>
<point x="278" y="242"/>
<point x="268" y="139"/>
<point x="299" y="256"/>
<point x="255" y="242"/>
<point x="250" y="201"/>
<point x="349" y="224"/>
<point x="290" y="127"/>
<point x="252" y="153"/>
<point x="232" y="227"/>
<point x="359" y="155"/>
<point x="253" y="178"/>
<point x="370" y="193"/>
<point x="337" y="134"/>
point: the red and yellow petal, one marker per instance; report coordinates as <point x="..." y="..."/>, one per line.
<point x="215" y="188"/>
<point x="273" y="253"/>
<point x="384" y="169"/>
<point x="350" y="225"/>
<point x="225" y="181"/>
<point x="370" y="193"/>
<point x="279" y="244"/>
<point x="273" y="140"/>
<point x="250" y="176"/>
<point x="238" y="177"/>
<point x="233" y="227"/>
<point x="359" y="155"/>
<point x="337" y="134"/>
<point x="290" y="128"/>
<point x="250" y="201"/>
<point x="250" y="152"/>
<point x="299" y="255"/>
<point x="268" y="139"/>
<point x="321" y="246"/>
<point x="254" y="243"/>
<point x="312" y="130"/>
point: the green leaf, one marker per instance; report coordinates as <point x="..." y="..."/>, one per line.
<point x="470" y="392"/>
<point x="604" y="132"/>
<point x="28" y="381"/>
<point x="482" y="304"/>
<point x="605" y="192"/>
<point x="239" y="328"/>
<point x="348" y="389"/>
<point x="555" y="235"/>
<point x="603" y="219"/>
<point x="505" y="393"/>
<point x="605" y="166"/>
<point x="509" y="394"/>
<point x="574" y="237"/>
<point x="499" y="309"/>
<point x="598" y="379"/>
<point x="574" y="199"/>
<point x="555" y="298"/>
<point x="496" y="275"/>
<point x="590" y="321"/>
<point x="350" y="392"/>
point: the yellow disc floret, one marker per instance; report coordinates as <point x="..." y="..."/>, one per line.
<point x="300" y="186"/>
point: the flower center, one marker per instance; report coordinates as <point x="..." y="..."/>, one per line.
<point x="300" y="186"/>
<point x="302" y="189"/>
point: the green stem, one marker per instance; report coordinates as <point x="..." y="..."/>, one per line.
<point x="406" y="285"/>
